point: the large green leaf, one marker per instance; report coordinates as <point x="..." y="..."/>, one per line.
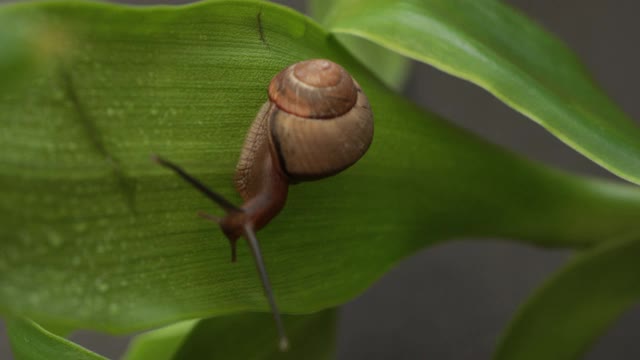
<point x="29" y="341"/>
<point x="95" y="235"/>
<point x="576" y="306"/>
<point x="493" y="46"/>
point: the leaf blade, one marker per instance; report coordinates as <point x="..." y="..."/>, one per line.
<point x="513" y="59"/>
<point x="110" y="241"/>
<point x="160" y="344"/>
<point x="312" y="337"/>
<point x="30" y="341"/>
<point x="239" y="336"/>
<point x="573" y="308"/>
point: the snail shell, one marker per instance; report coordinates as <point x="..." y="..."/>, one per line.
<point x="316" y="123"/>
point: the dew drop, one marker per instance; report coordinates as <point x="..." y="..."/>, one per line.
<point x="58" y="95"/>
<point x="75" y="261"/>
<point x="80" y="227"/>
<point x="33" y="299"/>
<point x="101" y="249"/>
<point x="113" y="308"/>
<point x="26" y="239"/>
<point x="101" y="285"/>
<point x="55" y="240"/>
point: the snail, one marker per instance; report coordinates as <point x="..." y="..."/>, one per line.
<point x="316" y="123"/>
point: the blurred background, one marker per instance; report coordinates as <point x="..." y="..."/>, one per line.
<point x="452" y="301"/>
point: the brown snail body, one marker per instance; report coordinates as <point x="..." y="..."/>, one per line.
<point x="316" y="123"/>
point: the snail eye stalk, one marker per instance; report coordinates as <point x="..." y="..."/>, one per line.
<point x="217" y="198"/>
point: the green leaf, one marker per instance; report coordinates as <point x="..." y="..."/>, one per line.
<point x="240" y="336"/>
<point x="94" y="235"/>
<point x="392" y="68"/>
<point x="569" y="312"/>
<point x="162" y="344"/>
<point x="28" y="45"/>
<point x="30" y="341"/>
<point x="495" y="47"/>
<point x="312" y="337"/>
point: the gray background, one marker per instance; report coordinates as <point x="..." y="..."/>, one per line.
<point x="452" y="301"/>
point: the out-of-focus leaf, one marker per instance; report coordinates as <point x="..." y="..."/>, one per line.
<point x="251" y="336"/>
<point x="495" y="47"/>
<point x="29" y="341"/>
<point x="162" y="344"/>
<point x="94" y="235"/>
<point x="240" y="336"/>
<point x="569" y="312"/>
<point x="28" y="45"/>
